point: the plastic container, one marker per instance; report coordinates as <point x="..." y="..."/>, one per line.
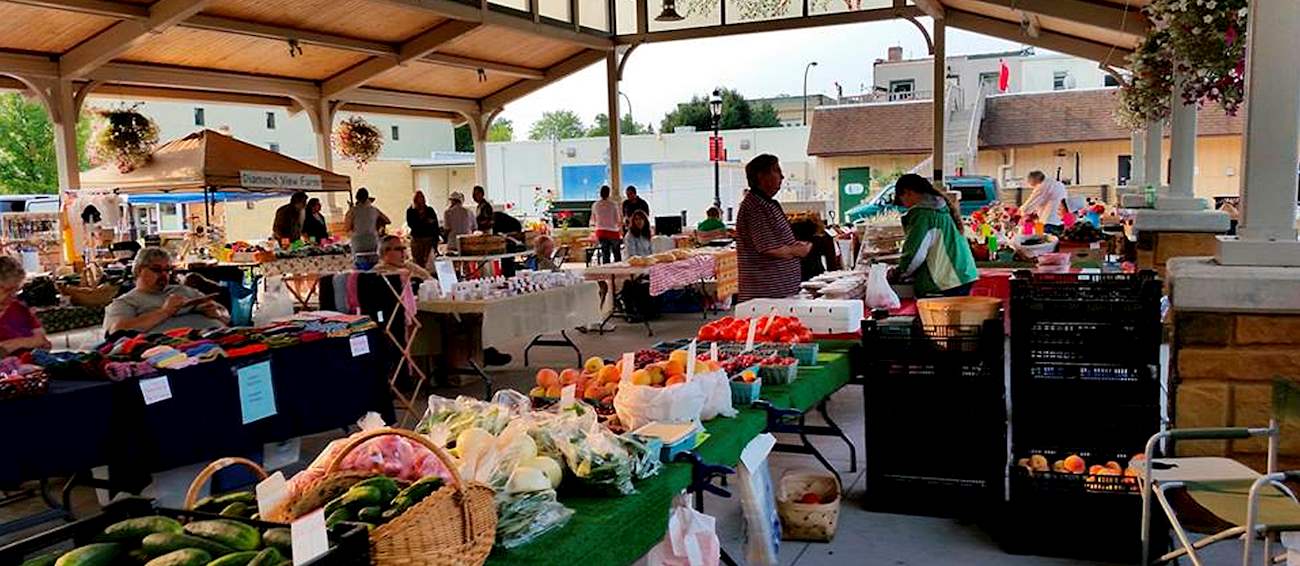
<point x="808" y="521"/>
<point x="675" y="438"/>
<point x="805" y="352"/>
<point x="743" y="392"/>
<point x="779" y="375"/>
<point x="958" y="311"/>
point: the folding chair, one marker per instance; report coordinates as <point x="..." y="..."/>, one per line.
<point x="1226" y="499"/>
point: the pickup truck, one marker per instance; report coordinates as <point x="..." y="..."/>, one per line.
<point x="976" y="191"/>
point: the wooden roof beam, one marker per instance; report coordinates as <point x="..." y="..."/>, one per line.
<point x="523" y="88"/>
<point x="1111" y="17"/>
<point x="91" y="7"/>
<point x="305" y="37"/>
<point x="483" y="13"/>
<point x="488" y="66"/>
<point x="1055" y="41"/>
<point x="421" y="45"/>
<point x="124" y="35"/>
<point x="932" y="8"/>
<point x="837" y="18"/>
<point x="409" y="100"/>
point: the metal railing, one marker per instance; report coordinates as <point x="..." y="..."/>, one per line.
<point x="973" y="135"/>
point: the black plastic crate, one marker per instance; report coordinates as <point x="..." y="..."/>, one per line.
<point x="935" y="418"/>
<point x="1121" y="342"/>
<point x="349" y="545"/>
<point x="1111" y="289"/>
<point x="1115" y="428"/>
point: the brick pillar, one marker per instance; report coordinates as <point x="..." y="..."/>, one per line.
<point x="1223" y="365"/>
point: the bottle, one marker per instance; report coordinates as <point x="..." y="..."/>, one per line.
<point x="993" y="246"/>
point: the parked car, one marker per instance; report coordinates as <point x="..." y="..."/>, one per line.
<point x="976" y="191"/>
<point x="29" y="203"/>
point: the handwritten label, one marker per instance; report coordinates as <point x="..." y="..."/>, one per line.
<point x="309" y="537"/>
<point x="690" y="359"/>
<point x="753" y="328"/>
<point x="270" y="492"/>
<point x="629" y="364"/>
<point x="155" y="389"/>
<point x="256" y="393"/>
<point x="360" y="345"/>
<point x="567" y="394"/>
<point x="446" y="274"/>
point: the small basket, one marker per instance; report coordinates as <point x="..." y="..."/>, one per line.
<point x="958" y="311"/>
<point x="196" y="486"/>
<point x="808" y="521"/>
<point x="779" y="375"/>
<point x="745" y="393"/>
<point x="30" y="384"/>
<point x="805" y="352"/>
<point x="92" y="297"/>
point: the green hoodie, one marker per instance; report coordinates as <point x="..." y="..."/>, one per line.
<point x="935" y="251"/>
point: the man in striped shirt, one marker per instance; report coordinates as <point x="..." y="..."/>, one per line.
<point x="766" y="250"/>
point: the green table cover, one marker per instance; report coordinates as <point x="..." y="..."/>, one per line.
<point x="620" y="530"/>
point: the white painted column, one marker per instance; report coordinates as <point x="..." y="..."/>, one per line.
<point x="1267" y="235"/>
<point x="1138" y="161"/>
<point x="321" y="115"/>
<point x="61" y="104"/>
<point x="478" y="127"/>
<point x="615" y="117"/>
<point x="1153" y="171"/>
<point x="1182" y="145"/>
<point x="939" y="98"/>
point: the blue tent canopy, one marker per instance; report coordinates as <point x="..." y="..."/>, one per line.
<point x="197" y="198"/>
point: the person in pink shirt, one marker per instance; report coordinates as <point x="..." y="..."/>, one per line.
<point x="607" y="220"/>
<point x="19" y="328"/>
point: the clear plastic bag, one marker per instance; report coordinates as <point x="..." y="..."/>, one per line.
<point x="879" y="294"/>
<point x="522" y="517"/>
<point x="596" y="457"/>
<point x="445" y="418"/>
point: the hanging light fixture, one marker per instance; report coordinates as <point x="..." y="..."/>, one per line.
<point x="669" y="13"/>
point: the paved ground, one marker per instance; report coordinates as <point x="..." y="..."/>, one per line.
<point x="863" y="537"/>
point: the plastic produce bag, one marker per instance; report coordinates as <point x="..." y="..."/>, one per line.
<point x="879" y="294"/>
<point x="692" y="540"/>
<point x="522" y="517"/>
<point x="445" y="418"/>
<point x="639" y="405"/>
<point x="275" y="303"/>
<point x="717" y="391"/>
<point x="597" y="458"/>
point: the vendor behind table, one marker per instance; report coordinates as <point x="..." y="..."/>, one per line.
<point x="935" y="253"/>
<point x="156" y="304"/>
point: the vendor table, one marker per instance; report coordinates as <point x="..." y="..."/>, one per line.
<point x="332" y="263"/>
<point x="67" y="430"/>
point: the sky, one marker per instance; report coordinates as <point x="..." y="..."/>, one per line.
<point x="660" y="75"/>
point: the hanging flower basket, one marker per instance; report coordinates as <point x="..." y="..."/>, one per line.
<point x="124" y="136"/>
<point x="1207" y="39"/>
<point x="1145" y="96"/>
<point x="358" y="140"/>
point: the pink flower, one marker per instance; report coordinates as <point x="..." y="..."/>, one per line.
<point x="1230" y="36"/>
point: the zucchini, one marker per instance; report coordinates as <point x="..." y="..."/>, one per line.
<point x="281" y="539"/>
<point x="97" y="554"/>
<point x="359" y="496"/>
<point x="236" y="559"/>
<point x="338" y="516"/>
<point x="412" y="494"/>
<point x="182" y="557"/>
<point x="42" y="560"/>
<point x="267" y="557"/>
<point x="132" y="530"/>
<point x="215" y="503"/>
<point x="158" y="544"/>
<point x="387" y="487"/>
<point x="233" y="534"/>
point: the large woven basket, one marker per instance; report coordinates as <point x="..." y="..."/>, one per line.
<point x="455" y="525"/>
<point x="196" y="486"/>
<point x="808" y="521"/>
<point x="91" y="297"/>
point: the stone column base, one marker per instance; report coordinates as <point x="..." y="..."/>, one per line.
<point x="1155" y="249"/>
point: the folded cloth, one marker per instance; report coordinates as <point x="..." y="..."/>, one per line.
<point x="205" y="351"/>
<point x="312" y="336"/>
<point x="280" y="341"/>
<point x="247" y="350"/>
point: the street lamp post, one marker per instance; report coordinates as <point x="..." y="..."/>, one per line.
<point x="629" y="106"/>
<point x="715" y="111"/>
<point x="806" y="68"/>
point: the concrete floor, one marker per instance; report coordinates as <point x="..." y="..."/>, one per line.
<point x="863" y="537"/>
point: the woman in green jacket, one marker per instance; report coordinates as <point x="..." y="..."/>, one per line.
<point x="935" y="253"/>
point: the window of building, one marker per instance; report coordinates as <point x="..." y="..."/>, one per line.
<point x="270" y="120"/>
<point x="902" y="89"/>
<point x="396" y="134"/>
<point x="1110" y="80"/>
<point x="989" y="80"/>
<point x="273" y="147"/>
<point x="198" y="116"/>
<point x="1058" y="80"/>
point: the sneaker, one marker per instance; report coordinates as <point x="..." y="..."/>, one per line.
<point x="493" y="357"/>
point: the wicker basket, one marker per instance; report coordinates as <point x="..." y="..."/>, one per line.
<point x="90" y="297"/>
<point x="808" y="521"/>
<point x="196" y="486"/>
<point x="958" y="311"/>
<point x="486" y="244"/>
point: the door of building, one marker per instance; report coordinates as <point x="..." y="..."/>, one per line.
<point x="855" y="183"/>
<point x="1125" y="170"/>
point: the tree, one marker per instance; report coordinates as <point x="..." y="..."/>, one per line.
<point x="27" y="162"/>
<point x="736" y="113"/>
<point x="627" y="127"/>
<point x="557" y="125"/>
<point x="502" y="130"/>
<point x="464" y="139"/>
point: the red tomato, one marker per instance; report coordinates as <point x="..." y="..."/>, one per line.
<point x="810" y="498"/>
<point x="708" y="334"/>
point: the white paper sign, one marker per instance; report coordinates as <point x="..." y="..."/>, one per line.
<point x="690" y="359"/>
<point x="360" y="345"/>
<point x="276" y="455"/>
<point x="270" y="492"/>
<point x="629" y="364"/>
<point x="753" y="328"/>
<point x="1094" y="246"/>
<point x="446" y="274"/>
<point x="155" y="389"/>
<point x="309" y="537"/>
<point x="713" y="351"/>
<point x="567" y="394"/>
<point x="274" y="180"/>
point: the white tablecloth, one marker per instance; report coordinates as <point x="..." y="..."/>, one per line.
<point x="525" y="316"/>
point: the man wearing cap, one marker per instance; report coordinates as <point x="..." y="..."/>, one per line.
<point x="457" y="219"/>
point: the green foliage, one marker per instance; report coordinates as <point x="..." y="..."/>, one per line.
<point x="557" y="125"/>
<point x="881" y="179"/>
<point x="464" y="140"/>
<point x="627" y="127"/>
<point x="502" y="130"/>
<point x="737" y="113"/>
<point x="27" y="162"/>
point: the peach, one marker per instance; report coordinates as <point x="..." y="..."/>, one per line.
<point x="1074" y="464"/>
<point x="675" y="367"/>
<point x="570" y="376"/>
<point x="641" y="377"/>
<point x="610" y="374"/>
<point x="675" y="380"/>
<point x="1113" y="465"/>
<point x="553" y="391"/>
<point x="547" y="377"/>
<point x="593" y="391"/>
<point x="678" y="356"/>
<point x="1038" y="463"/>
<point x="593" y="364"/>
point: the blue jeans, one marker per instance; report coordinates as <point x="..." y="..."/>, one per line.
<point x="611" y="246"/>
<point x="958" y="291"/>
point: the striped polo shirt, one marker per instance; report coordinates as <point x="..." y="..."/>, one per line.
<point x="761" y="226"/>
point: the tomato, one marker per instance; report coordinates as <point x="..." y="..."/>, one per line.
<point x="708" y="334"/>
<point x="810" y="498"/>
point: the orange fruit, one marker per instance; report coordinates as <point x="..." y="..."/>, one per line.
<point x="610" y="373"/>
<point x="675" y="380"/>
<point x="676" y="366"/>
<point x="547" y="377"/>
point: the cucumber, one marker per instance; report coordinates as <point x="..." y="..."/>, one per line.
<point x="233" y="534"/>
<point x="412" y="494"/>
<point x="236" y="509"/>
<point x="158" y="544"/>
<point x="42" y="560"/>
<point x="97" y="554"/>
<point x="182" y="557"/>
<point x="338" y="516"/>
<point x="359" y="496"/>
<point x="373" y="514"/>
<point x="215" y="503"/>
<point x="137" y="556"/>
<point x="236" y="559"/>
<point x="387" y="487"/>
<point x="267" y="557"/>
<point x="281" y="539"/>
<point x="132" y="530"/>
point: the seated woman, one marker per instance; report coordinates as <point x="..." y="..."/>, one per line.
<point x="393" y="259"/>
<point x="19" y="328"/>
<point x="155" y="304"/>
<point x="638" y="235"/>
<point x="543" y="255"/>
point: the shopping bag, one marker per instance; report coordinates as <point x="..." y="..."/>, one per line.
<point x="717" y="390"/>
<point x="879" y="294"/>
<point x="639" y="405"/>
<point x="275" y="303"/>
<point x="691" y="541"/>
